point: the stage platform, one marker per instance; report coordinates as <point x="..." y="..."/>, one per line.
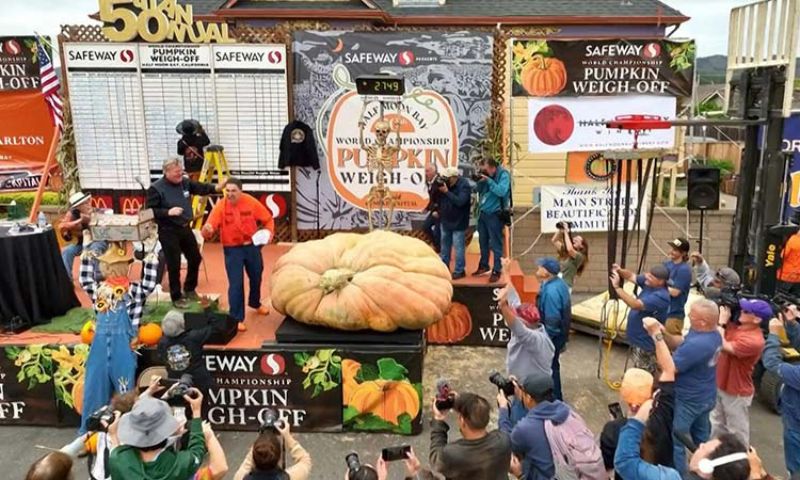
<point x="318" y="379"/>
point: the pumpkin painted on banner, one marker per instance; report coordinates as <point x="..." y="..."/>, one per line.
<point x="349" y="281"/>
<point x="349" y="371"/>
<point x="386" y="399"/>
<point x="87" y="332"/>
<point x="149" y="334"/>
<point x="544" y="76"/>
<point x="454" y="327"/>
<point x="77" y="395"/>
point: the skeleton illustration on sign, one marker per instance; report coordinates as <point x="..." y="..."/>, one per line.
<point x="380" y="162"/>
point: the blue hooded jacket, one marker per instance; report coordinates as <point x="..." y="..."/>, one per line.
<point x="529" y="441"/>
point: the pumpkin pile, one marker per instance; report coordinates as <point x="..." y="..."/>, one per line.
<point x="349" y="281"/>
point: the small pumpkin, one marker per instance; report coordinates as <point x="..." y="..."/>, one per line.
<point x="454" y="327"/>
<point x="350" y="281"/>
<point x="386" y="399"/>
<point x="543" y="76"/>
<point x="349" y="371"/>
<point x="77" y="395"/>
<point x="87" y="332"/>
<point x="149" y="334"/>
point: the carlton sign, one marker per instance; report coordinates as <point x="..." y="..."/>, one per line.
<point x="428" y="137"/>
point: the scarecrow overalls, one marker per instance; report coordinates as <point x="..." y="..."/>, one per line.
<point x="111" y="366"/>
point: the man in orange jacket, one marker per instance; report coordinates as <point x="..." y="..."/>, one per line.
<point x="789" y="273"/>
<point x="238" y="217"/>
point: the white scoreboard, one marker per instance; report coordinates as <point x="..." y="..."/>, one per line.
<point x="127" y="98"/>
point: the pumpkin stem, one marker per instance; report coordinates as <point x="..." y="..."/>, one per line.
<point x="542" y="61"/>
<point x="335" y="279"/>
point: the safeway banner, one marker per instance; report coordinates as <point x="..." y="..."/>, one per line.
<point x="560" y="125"/>
<point x="547" y="68"/>
<point x="19" y="64"/>
<point x="26" y="130"/>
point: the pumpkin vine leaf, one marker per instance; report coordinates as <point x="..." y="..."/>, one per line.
<point x="349" y="414"/>
<point x="367" y="372"/>
<point x="389" y="369"/>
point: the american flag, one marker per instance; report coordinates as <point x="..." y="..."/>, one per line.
<point x="50" y="87"/>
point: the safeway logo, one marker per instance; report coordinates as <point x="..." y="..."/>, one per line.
<point x="126" y="56"/>
<point x="651" y="50"/>
<point x="273" y="364"/>
<point x="12" y="47"/>
<point x="274" y="57"/>
<point x="406" y="58"/>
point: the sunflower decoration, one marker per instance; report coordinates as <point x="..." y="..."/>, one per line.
<point x="101" y="306"/>
<point x="119" y="292"/>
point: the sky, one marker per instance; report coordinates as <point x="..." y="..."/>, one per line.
<point x="709" y="24"/>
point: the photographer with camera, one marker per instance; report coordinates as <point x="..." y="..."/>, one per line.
<point x="431" y="225"/>
<point x="790" y="374"/>
<point x="573" y="253"/>
<point x="181" y="351"/>
<point x="637" y="388"/>
<point x="265" y="458"/>
<point x="454" y="197"/>
<point x="742" y="345"/>
<point x="723" y="458"/>
<point x="550" y="434"/>
<point x="190" y="147"/>
<point x="494" y="193"/>
<point x="478" y="454"/>
<point x="142" y="441"/>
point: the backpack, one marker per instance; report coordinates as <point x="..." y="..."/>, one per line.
<point x="576" y="455"/>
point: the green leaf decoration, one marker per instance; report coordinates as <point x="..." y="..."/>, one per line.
<point x="418" y="388"/>
<point x="404" y="424"/>
<point x="391" y="370"/>
<point x="12" y="352"/>
<point x="300" y="358"/>
<point x="317" y="391"/>
<point x="318" y="378"/>
<point x="367" y="372"/>
<point x="307" y="382"/>
<point x="324" y="355"/>
<point x="349" y="414"/>
<point x="336" y="359"/>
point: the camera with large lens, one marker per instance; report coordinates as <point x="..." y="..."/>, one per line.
<point x="478" y="176"/>
<point x="563" y="225"/>
<point x="104" y="414"/>
<point x="502" y="383"/>
<point x="439" y="181"/>
<point x="188" y="127"/>
<point x="353" y="464"/>
<point x="445" y="398"/>
<point x="271" y="422"/>
<point x="181" y="388"/>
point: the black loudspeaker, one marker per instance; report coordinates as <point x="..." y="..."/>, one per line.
<point x="703" y="188"/>
<point x="224" y="327"/>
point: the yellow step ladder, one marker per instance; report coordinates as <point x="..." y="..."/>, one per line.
<point x="213" y="163"/>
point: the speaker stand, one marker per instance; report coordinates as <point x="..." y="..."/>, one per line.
<point x="702" y="224"/>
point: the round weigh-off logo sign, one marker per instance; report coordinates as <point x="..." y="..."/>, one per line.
<point x="429" y="135"/>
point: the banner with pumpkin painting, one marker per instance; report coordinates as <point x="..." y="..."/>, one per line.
<point x="549" y="68"/>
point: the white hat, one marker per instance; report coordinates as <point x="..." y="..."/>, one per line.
<point x="450" y="172"/>
<point x="78" y="198"/>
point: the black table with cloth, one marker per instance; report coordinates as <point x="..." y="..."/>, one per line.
<point x="34" y="287"/>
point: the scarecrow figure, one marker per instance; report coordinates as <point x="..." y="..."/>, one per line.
<point x="118" y="305"/>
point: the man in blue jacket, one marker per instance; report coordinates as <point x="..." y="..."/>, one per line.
<point x="555" y="309"/>
<point x="454" y="197"/>
<point x="790" y="374"/>
<point x="528" y="438"/>
<point x="494" y="190"/>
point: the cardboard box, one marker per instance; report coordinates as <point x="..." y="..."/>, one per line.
<point x="117" y="228"/>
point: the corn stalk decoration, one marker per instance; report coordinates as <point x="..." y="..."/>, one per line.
<point x="66" y="158"/>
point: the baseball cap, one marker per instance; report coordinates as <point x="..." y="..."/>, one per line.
<point x="660" y="272"/>
<point x="728" y="276"/>
<point x="550" y="264"/>
<point x="637" y="386"/>
<point x="759" y="308"/>
<point x="680" y="244"/>
<point x="537" y="385"/>
<point x="450" y="172"/>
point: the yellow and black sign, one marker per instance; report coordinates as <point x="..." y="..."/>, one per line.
<point x="156" y="21"/>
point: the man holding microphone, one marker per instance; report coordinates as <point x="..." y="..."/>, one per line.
<point x="244" y="225"/>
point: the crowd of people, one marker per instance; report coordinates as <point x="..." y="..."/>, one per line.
<point x="687" y="391"/>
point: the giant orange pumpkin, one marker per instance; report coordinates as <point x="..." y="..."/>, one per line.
<point x="87" y="332"/>
<point x="149" y="334"/>
<point x="380" y="281"/>
<point x="386" y="399"/>
<point x="349" y="371"/>
<point x="543" y="76"/>
<point x="454" y="327"/>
